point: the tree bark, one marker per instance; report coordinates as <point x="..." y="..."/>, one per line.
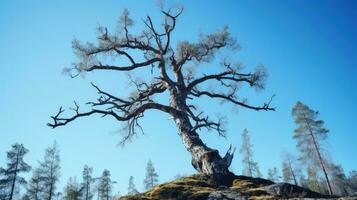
<point x="322" y="165"/>
<point x="204" y="159"/>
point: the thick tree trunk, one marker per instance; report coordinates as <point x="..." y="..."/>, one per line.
<point x="204" y="159"/>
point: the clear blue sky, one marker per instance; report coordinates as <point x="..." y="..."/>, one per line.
<point x="308" y="47"/>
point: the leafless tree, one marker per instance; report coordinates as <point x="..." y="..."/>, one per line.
<point x="170" y="74"/>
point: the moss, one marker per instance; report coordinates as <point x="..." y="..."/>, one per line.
<point x="196" y="187"/>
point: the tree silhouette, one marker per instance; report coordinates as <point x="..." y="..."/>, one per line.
<point x="169" y="75"/>
<point x="11" y="173"/>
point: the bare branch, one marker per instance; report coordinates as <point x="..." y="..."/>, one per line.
<point x="232" y="99"/>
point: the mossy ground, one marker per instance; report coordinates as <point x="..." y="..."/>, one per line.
<point x="199" y="187"/>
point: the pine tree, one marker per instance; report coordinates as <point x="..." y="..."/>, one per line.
<point x="309" y="133"/>
<point x="151" y="178"/>
<point x="339" y="180"/>
<point x="303" y="181"/>
<point x="131" y="188"/>
<point x="35" y="187"/>
<point x="313" y="179"/>
<point x="352" y="181"/>
<point x="105" y="186"/>
<point x="250" y="166"/>
<point x="273" y="174"/>
<point x="87" y="183"/>
<point x="49" y="171"/>
<point x="288" y="170"/>
<point x="72" y="191"/>
<point x="11" y="174"/>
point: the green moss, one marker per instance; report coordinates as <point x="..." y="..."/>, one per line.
<point x="196" y="187"/>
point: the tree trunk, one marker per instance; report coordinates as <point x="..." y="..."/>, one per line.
<point x="292" y="173"/>
<point x="322" y="165"/>
<point x="204" y="159"/>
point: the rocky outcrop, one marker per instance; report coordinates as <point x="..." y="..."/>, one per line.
<point x="201" y="187"/>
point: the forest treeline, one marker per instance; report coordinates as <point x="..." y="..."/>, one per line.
<point x="312" y="169"/>
<point x="43" y="184"/>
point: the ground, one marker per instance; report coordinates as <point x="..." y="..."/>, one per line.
<point x="201" y="187"/>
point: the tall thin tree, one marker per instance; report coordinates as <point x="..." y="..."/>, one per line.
<point x="35" y="188"/>
<point x="250" y="166"/>
<point x="105" y="186"/>
<point x="169" y="75"/>
<point x="151" y="178"/>
<point x="50" y="171"/>
<point x="309" y="133"/>
<point x="288" y="170"/>
<point x="11" y="174"/>
<point x="132" y="188"/>
<point x="87" y="183"/>
<point x="273" y="174"/>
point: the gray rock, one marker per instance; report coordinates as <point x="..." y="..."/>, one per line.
<point x="286" y="190"/>
<point x="226" y="195"/>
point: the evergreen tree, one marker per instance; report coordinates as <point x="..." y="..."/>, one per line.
<point x="87" y="183"/>
<point x="313" y="179"/>
<point x="273" y="174"/>
<point x="35" y="187"/>
<point x="289" y="173"/>
<point x="250" y="166"/>
<point x="50" y="172"/>
<point x="339" y="180"/>
<point x="105" y="186"/>
<point x="352" y="181"/>
<point x="303" y="181"/>
<point x="72" y="191"/>
<point x="131" y="188"/>
<point x="151" y="178"/>
<point x="10" y="176"/>
<point x="309" y="133"/>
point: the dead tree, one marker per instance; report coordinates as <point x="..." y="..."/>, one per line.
<point x="168" y="68"/>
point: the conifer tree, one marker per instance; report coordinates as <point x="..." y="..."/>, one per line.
<point x="72" y="191"/>
<point x="313" y="179"/>
<point x="131" y="188"/>
<point x="10" y="176"/>
<point x="105" y="186"/>
<point x="49" y="171"/>
<point x="339" y="180"/>
<point x="288" y="170"/>
<point x="87" y="183"/>
<point x="250" y="166"/>
<point x="35" y="187"/>
<point x="273" y="174"/>
<point x="309" y="134"/>
<point x="151" y="178"/>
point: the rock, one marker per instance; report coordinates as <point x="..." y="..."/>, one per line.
<point x="286" y="190"/>
<point x="226" y="195"/>
<point x="201" y="187"/>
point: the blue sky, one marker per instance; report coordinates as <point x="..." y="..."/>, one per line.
<point x="308" y="47"/>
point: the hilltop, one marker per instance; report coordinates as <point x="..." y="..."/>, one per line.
<point x="201" y="187"/>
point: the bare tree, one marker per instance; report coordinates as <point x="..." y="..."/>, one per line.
<point x="170" y="72"/>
